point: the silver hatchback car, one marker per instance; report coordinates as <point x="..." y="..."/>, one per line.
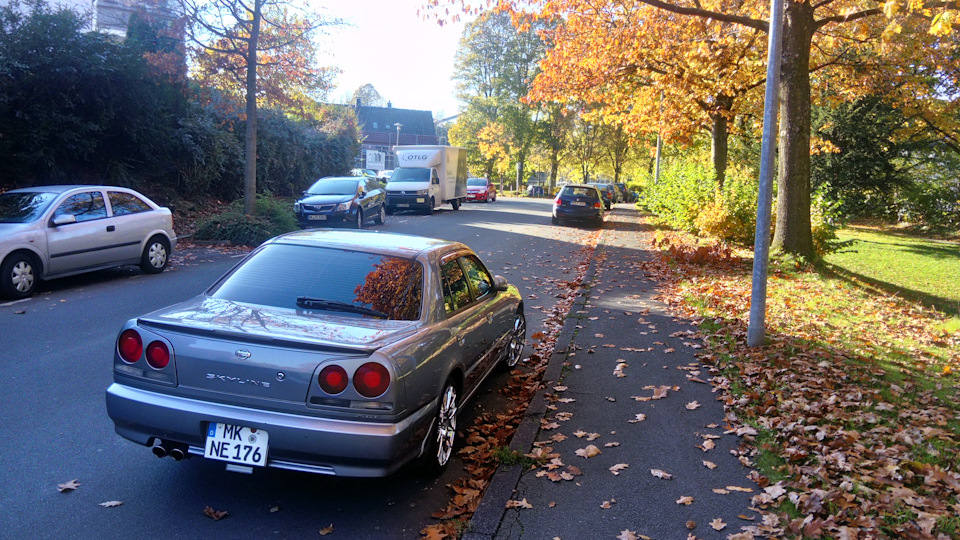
<point x="334" y="352"/>
<point x="49" y="232"/>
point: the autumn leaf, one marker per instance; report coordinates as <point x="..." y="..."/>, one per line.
<point x="588" y="452"/>
<point x="661" y="474"/>
<point x="215" y="515"/>
<point x="638" y="418"/>
<point x="111" y="504"/>
<point x="709" y="464"/>
<point x="707" y="445"/>
<point x="693" y="405"/>
<point x="329" y="529"/>
<point x="627" y="535"/>
<point x="740" y="489"/>
<point x="685" y="500"/>
<point x="68" y="486"/>
<point x="617" y="468"/>
<point x="718" y="524"/>
<point x="519" y="504"/>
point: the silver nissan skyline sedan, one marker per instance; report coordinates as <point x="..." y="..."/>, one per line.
<point x="344" y="353"/>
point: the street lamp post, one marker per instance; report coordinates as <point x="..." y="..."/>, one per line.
<point x="398" y="125"/>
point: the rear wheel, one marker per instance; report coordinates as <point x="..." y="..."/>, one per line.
<point x="19" y="275"/>
<point x="443" y="435"/>
<point x="155" y="256"/>
<point x="555" y="220"/>
<point x="455" y="204"/>
<point x="430" y="209"/>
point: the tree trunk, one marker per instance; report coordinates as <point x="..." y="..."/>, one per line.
<point x="793" y="233"/>
<point x="250" y="147"/>
<point x="720" y="134"/>
<point x="554" y="167"/>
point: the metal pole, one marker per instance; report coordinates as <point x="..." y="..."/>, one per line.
<point x="656" y="170"/>
<point x="761" y="242"/>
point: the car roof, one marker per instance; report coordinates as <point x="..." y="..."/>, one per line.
<point x="61" y="188"/>
<point x="354" y="178"/>
<point x="386" y="243"/>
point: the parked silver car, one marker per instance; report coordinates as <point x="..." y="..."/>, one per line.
<point x="334" y="352"/>
<point x="48" y="232"/>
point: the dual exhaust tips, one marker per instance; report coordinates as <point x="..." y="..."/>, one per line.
<point x="163" y="448"/>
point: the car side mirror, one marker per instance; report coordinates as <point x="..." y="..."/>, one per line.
<point x="500" y="283"/>
<point x="65" y="219"/>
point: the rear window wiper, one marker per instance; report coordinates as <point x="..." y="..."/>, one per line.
<point x="308" y="302"/>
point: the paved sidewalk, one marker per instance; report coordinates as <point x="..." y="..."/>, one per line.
<point x="617" y="345"/>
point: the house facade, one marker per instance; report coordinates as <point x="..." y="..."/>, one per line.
<point x="383" y="128"/>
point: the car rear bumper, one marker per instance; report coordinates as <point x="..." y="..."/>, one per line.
<point x="577" y="213"/>
<point x="299" y="442"/>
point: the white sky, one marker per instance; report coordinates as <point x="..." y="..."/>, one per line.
<point x="408" y="60"/>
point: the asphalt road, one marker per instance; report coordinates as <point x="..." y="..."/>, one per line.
<point x="56" y="356"/>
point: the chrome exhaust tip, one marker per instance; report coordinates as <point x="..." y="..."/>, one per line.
<point x="177" y="454"/>
<point x="158" y="450"/>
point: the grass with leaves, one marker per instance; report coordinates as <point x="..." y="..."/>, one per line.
<point x="855" y="396"/>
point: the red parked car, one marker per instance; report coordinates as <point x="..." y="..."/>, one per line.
<point x="481" y="190"/>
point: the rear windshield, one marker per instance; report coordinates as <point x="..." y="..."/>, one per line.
<point x="23" y="207"/>
<point x="571" y="191"/>
<point x="410" y="175"/>
<point x="279" y="274"/>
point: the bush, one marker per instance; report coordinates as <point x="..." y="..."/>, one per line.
<point x="683" y="191"/>
<point x="272" y="217"/>
<point x="732" y="215"/>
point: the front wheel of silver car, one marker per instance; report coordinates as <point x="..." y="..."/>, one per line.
<point x="155" y="256"/>
<point x="20" y="276"/>
<point x="444" y="433"/>
<point x="517" y="339"/>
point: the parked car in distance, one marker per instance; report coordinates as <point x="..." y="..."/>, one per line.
<point x="344" y="353"/>
<point x="578" y="202"/>
<point x="625" y="194"/>
<point x="364" y="172"/>
<point x="607" y="192"/>
<point x="385" y="175"/>
<point x="481" y="190"/>
<point x="342" y="200"/>
<point x="49" y="232"/>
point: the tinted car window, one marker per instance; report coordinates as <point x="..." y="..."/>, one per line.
<point x="570" y="191"/>
<point x="410" y="175"/>
<point x="478" y="276"/>
<point x="372" y="185"/>
<point x="23" y="207"/>
<point x="279" y="274"/>
<point x="334" y="186"/>
<point x="456" y="291"/>
<point x="126" y="203"/>
<point x="84" y="206"/>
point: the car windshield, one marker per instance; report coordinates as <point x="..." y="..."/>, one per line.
<point x="476" y="182"/>
<point x="324" y="280"/>
<point x="24" y="207"/>
<point x="410" y="175"/>
<point x="334" y="186"/>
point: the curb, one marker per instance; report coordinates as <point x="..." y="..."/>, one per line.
<point x="493" y="504"/>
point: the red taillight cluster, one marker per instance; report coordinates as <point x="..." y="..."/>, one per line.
<point x="597" y="205"/>
<point x="130" y="347"/>
<point x="558" y="201"/>
<point x="369" y="380"/>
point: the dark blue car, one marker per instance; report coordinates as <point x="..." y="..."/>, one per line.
<point x="349" y="200"/>
<point x="578" y="202"/>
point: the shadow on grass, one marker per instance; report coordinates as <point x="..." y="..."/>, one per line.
<point x="944" y="252"/>
<point x="946" y="305"/>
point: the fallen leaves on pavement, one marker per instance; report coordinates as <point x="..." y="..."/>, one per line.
<point x="68" y="486"/>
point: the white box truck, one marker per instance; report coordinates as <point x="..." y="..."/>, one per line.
<point x="426" y="177"/>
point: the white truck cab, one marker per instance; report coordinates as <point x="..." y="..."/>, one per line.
<point x="426" y="177"/>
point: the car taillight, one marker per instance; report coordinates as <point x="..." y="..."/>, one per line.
<point x="333" y="379"/>
<point x="597" y="205"/>
<point x="558" y="201"/>
<point x="371" y="380"/>
<point x="130" y="346"/>
<point x="158" y="356"/>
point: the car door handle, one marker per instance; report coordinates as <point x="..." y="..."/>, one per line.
<point x="111" y="228"/>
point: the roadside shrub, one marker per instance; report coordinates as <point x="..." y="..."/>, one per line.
<point x="684" y="189"/>
<point x="272" y="217"/>
<point x="732" y="215"/>
<point x="825" y="220"/>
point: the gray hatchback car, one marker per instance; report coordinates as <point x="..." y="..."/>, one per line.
<point x="49" y="232"/>
<point x="334" y="352"/>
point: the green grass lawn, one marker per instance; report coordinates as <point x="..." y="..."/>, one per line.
<point x="912" y="267"/>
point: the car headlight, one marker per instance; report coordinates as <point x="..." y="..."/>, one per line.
<point x="343" y="207"/>
<point x="423" y="192"/>
<point x="296" y="208"/>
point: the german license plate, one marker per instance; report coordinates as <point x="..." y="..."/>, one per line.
<point x="236" y="444"/>
<point x="578" y="203"/>
<point x="421" y="200"/>
<point x="317" y="217"/>
<point x="403" y="205"/>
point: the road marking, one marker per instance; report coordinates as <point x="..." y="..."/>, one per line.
<point x="15" y="302"/>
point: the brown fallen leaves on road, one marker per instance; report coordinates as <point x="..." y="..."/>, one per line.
<point x="326" y="530"/>
<point x="215" y="515"/>
<point x="661" y="474"/>
<point x="588" y="452"/>
<point x="68" y="486"/>
<point x="519" y="504"/>
<point x="111" y="504"/>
